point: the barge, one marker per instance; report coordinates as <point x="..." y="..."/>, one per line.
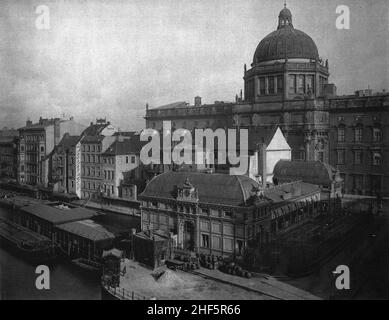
<point x="29" y="244"/>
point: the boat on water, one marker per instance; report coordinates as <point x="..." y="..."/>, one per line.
<point x="30" y="245"/>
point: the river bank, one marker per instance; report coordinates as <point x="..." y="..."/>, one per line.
<point x="17" y="280"/>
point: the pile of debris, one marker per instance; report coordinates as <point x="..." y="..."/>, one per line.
<point x="167" y="278"/>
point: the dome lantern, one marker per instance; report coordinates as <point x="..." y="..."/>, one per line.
<point x="285" y="18"/>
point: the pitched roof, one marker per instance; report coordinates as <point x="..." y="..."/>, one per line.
<point x="87" y="229"/>
<point x="56" y="215"/>
<point x="216" y="188"/>
<point x="69" y="141"/>
<point x="92" y="139"/>
<point x="127" y="146"/>
<point x="94" y="129"/>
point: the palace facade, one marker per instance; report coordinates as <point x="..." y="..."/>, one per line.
<point x="221" y="213"/>
<point x="287" y="85"/>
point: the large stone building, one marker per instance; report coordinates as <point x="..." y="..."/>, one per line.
<point x="220" y="213"/>
<point x="36" y="142"/>
<point x="359" y="136"/>
<point x="288" y="85"/>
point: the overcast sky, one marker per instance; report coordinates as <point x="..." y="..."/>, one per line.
<point x="108" y="58"/>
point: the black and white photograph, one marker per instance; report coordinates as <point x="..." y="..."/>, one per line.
<point x="214" y="151"/>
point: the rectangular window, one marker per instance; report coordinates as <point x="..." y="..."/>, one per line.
<point x="358" y="134"/>
<point x="376" y="159"/>
<point x="262" y="87"/>
<point x="341" y="134"/>
<point x="205" y="240"/>
<point x="376" y="135"/>
<point x="358" y="157"/>
<point x="271" y="85"/>
<point x="358" y="182"/>
<point x="126" y="159"/>
<point x="298" y="155"/>
<point x="132" y="159"/>
<point x="292" y="83"/>
<point x="216" y="243"/>
<point x="341" y="156"/>
<point x="301" y="83"/>
<point x="228" y="214"/>
<point x="280" y="84"/>
<point x="309" y="84"/>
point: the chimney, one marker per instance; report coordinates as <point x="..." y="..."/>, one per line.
<point x="197" y="101"/>
<point x="28" y="123"/>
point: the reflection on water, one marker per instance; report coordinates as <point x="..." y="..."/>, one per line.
<point x="17" y="276"/>
<point x="17" y="281"/>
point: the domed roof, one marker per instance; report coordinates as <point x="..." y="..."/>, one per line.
<point x="285" y="42"/>
<point x="315" y="172"/>
<point x="285" y="13"/>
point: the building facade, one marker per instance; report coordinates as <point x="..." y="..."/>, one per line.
<point x="95" y="140"/>
<point x="288" y="86"/>
<point x="359" y="135"/>
<point x="66" y="166"/>
<point x="36" y="142"/>
<point x="92" y="177"/>
<point x="121" y="165"/>
<point x="8" y="157"/>
<point x="220" y="213"/>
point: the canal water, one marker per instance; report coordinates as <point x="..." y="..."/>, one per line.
<point x="17" y="277"/>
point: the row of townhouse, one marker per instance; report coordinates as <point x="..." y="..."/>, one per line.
<point x="100" y="162"/>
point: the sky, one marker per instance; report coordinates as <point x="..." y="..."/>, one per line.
<point x="109" y="58"/>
